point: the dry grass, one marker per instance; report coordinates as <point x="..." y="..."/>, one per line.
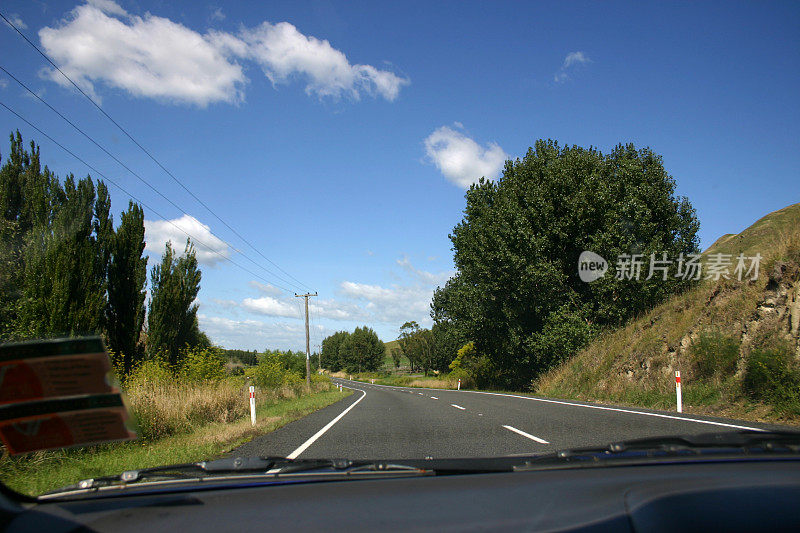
<point x="164" y="405"/>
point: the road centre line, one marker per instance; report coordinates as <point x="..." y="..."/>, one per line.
<point x="458" y="407"/>
<point x="520" y="432"/>
<point x="327" y="426"/>
<point x="434" y="398"/>
<point x="604" y="408"/>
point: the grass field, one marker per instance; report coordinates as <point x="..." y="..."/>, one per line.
<point x="39" y="472"/>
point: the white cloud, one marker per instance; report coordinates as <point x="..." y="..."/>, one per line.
<point x="403" y="301"/>
<point x="158" y="232"/>
<point x="432" y="278"/>
<point x="269" y="306"/>
<point x="336" y="310"/>
<point x="255" y="334"/>
<point x="108" y="7"/>
<point x="355" y="302"/>
<point x="283" y="52"/>
<point x="393" y="305"/>
<point x="461" y="159"/>
<point x="572" y="59"/>
<point x="154" y="57"/>
<point x="149" y="57"/>
<point x="15" y="19"/>
<point x="3" y="83"/>
<point x="268" y="289"/>
<point x="217" y="15"/>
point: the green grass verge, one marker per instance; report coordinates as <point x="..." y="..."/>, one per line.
<point x="37" y="473"/>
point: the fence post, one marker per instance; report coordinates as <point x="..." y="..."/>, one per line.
<point x="678" y="390"/>
<point x="252" y="405"/>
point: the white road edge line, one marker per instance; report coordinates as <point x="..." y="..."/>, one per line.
<point x="327" y="426"/>
<point x="520" y="432"/>
<point x="458" y="407"/>
<point x="604" y="408"/>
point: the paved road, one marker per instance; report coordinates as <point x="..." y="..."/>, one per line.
<point x="379" y="422"/>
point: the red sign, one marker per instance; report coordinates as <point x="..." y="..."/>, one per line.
<point x="62" y="430"/>
<point x="49" y="377"/>
<point x="57" y="394"/>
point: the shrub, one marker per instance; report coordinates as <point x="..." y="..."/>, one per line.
<point x="320" y="379"/>
<point x="150" y="372"/>
<point x="478" y="368"/>
<point x="292" y="380"/>
<point x="772" y="376"/>
<point x="714" y="354"/>
<point x="459" y="373"/>
<point x="268" y="373"/>
<point x="202" y="364"/>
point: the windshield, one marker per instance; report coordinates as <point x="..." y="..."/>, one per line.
<point x="391" y="231"/>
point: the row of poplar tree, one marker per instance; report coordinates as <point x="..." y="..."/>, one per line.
<point x="65" y="270"/>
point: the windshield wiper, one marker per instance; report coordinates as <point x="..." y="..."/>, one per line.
<point x="705" y="446"/>
<point x="232" y="467"/>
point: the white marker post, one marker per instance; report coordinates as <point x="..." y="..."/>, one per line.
<point x="678" y="390"/>
<point x="459" y="383"/>
<point x="252" y="405"/>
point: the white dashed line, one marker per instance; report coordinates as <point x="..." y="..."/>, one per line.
<point x="520" y="432"/>
<point x="434" y="398"/>
<point x="458" y="406"/>
<point x="608" y="408"/>
<point x="420" y="394"/>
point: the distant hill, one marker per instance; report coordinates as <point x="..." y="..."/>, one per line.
<point x="765" y="236"/>
<point x="723" y="336"/>
<point x="388" y="363"/>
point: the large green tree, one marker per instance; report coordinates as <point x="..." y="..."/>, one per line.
<point x="362" y="351"/>
<point x="172" y="313"/>
<point x="127" y="276"/>
<point x="517" y="293"/>
<point x="64" y="286"/>
<point x="330" y="351"/>
<point x="419" y="345"/>
<point x="24" y="202"/>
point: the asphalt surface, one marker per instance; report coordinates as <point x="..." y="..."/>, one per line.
<point x="380" y="422"/>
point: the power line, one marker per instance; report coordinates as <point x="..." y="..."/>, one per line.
<point x="70" y="152"/>
<point x="123" y="165"/>
<point x="156" y="161"/>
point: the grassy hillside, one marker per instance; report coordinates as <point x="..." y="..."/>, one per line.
<point x="735" y="343"/>
<point x="767" y="235"/>
<point x="388" y="363"/>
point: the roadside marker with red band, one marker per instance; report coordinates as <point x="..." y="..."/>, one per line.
<point x="678" y="390"/>
<point x="252" y="405"/>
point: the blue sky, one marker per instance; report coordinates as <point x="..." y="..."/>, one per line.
<point x="338" y="138"/>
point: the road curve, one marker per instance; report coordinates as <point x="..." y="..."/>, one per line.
<point x="385" y="422"/>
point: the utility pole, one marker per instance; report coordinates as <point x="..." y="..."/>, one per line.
<point x="308" y="341"/>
